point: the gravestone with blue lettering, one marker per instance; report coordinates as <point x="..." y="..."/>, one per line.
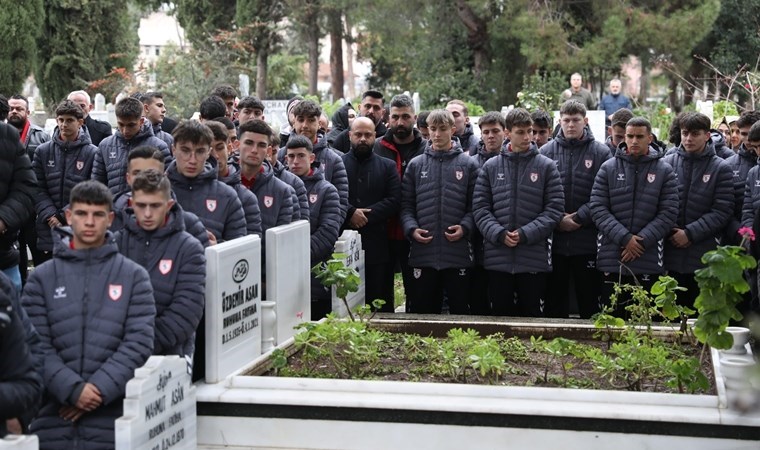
<point x="159" y="408"/>
<point x="288" y="275"/>
<point x="233" y="306"/>
<point x="350" y="244"/>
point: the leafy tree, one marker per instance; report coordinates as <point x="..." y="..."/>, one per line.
<point x="18" y="49"/>
<point x="81" y="42"/>
<point x="258" y="22"/>
<point x="202" y="19"/>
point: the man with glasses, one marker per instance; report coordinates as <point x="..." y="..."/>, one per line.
<point x="578" y="158"/>
<point x="196" y="185"/>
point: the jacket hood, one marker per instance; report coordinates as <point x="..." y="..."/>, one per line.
<point x="655" y="152"/>
<point x="209" y="172"/>
<point x="456" y="149"/>
<point x="317" y="173"/>
<point x="746" y="154"/>
<point x="62" y="237"/>
<point x="708" y="152"/>
<point x="587" y="137"/>
<point x="468" y="131"/>
<point x="485" y="154"/>
<point x="529" y="153"/>
<point x="145" y="131"/>
<point x="233" y="175"/>
<point x="82" y="140"/>
<point x="340" y="117"/>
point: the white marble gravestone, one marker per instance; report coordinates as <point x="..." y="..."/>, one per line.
<point x="233" y="306"/>
<point x="597" y="121"/>
<point x="288" y="274"/>
<point x="159" y="408"/>
<point x="350" y="244"/>
<point x="19" y="442"/>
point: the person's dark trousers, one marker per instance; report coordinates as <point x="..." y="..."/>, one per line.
<point x="399" y="260"/>
<point x="199" y="354"/>
<point x="378" y="285"/>
<point x="27" y="237"/>
<point x="686" y="298"/>
<point x="320" y="308"/>
<point x="624" y="298"/>
<point x="520" y="294"/>
<point x="479" y="302"/>
<point x="427" y="286"/>
<point x="581" y="269"/>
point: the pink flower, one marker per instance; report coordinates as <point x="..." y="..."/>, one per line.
<point x="747" y="233"/>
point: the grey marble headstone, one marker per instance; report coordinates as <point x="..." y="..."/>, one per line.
<point x="159" y="408"/>
<point x="288" y="274"/>
<point x="350" y="244"/>
<point x="233" y="306"/>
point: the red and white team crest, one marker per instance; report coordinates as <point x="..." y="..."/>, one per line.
<point x="706" y="178"/>
<point x="165" y="266"/>
<point x="459" y="174"/>
<point x="313" y="198"/>
<point x="80" y="165"/>
<point x="211" y="205"/>
<point x="588" y="163"/>
<point x="533" y="177"/>
<point x="417" y="273"/>
<point x="114" y="291"/>
<point x="651" y="177"/>
<point x="268" y="201"/>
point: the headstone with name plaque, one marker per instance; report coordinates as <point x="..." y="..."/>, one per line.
<point x="159" y="408"/>
<point x="288" y="274"/>
<point x="276" y="113"/>
<point x="350" y="244"/>
<point x="233" y="306"/>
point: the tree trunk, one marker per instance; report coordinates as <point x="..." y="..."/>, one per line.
<point x="313" y="46"/>
<point x="262" y="57"/>
<point x="644" y="80"/>
<point x="335" y="28"/>
<point x="350" y="59"/>
<point x="673" y="93"/>
<point x="478" y="39"/>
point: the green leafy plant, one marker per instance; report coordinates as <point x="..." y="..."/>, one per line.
<point x="721" y="285"/>
<point x="334" y="272"/>
<point x="665" y="289"/>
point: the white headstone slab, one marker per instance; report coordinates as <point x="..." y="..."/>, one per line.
<point x="233" y="306"/>
<point x="288" y="276"/>
<point x="159" y="408"/>
<point x="20" y="442"/>
<point x="276" y="113"/>
<point x="350" y="244"/>
<point x="597" y="121"/>
<point x="100" y="102"/>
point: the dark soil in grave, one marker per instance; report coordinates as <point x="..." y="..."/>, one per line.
<point x="406" y="359"/>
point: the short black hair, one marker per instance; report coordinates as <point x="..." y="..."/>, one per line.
<point x="69" y="108"/>
<point x="251" y="102"/>
<point x="192" y="131"/>
<point x="299" y="141"/>
<point x="748" y="118"/>
<point x="225" y="121"/>
<point x="91" y="192"/>
<point x="402" y="101"/>
<point x="146" y="152"/>
<point x="152" y="181"/>
<point x="219" y="131"/>
<point x="422" y="119"/>
<point x="307" y="108"/>
<point x="621" y="117"/>
<point x="129" y="108"/>
<point x="259" y="127"/>
<point x="20" y="97"/>
<point x="492" y="117"/>
<point x="640" y="122"/>
<point x="572" y="107"/>
<point x="542" y="119"/>
<point x="4" y="108"/>
<point x="212" y="106"/>
<point x="754" y="132"/>
<point x="372" y="93"/>
<point x="518" y="117"/>
<point x="149" y="97"/>
<point x="224" y="91"/>
<point x="694" y="121"/>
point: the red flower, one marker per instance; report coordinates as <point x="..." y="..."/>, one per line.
<point x="747" y="233"/>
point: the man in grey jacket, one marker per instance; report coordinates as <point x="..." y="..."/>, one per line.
<point x="436" y="216"/>
<point x="634" y="204"/>
<point x="94" y="311"/>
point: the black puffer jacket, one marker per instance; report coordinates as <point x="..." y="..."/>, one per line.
<point x="740" y="164"/>
<point x="634" y="197"/>
<point x="300" y="203"/>
<point x="324" y="215"/>
<point x="518" y="191"/>
<point x="215" y="203"/>
<point x="481" y="157"/>
<point x="176" y="263"/>
<point x="721" y="146"/>
<point x="20" y="384"/>
<point x="18" y="188"/>
<point x="436" y="194"/>
<point x="339" y="122"/>
<point x="578" y="161"/>
<point x="468" y="140"/>
<point x="247" y="199"/>
<point x="275" y="199"/>
<point x="706" y="201"/>
<point x="110" y="166"/>
<point x="59" y="166"/>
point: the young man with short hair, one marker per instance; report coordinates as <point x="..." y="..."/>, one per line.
<point x="616" y="129"/>
<point x="578" y="157"/>
<point x="705" y="189"/>
<point x="95" y="312"/>
<point x="436" y="216"/>
<point x="229" y="174"/>
<point x="518" y="201"/>
<point x="334" y="171"/>
<point x="542" y="127"/>
<point x="59" y="165"/>
<point x="154" y="236"/>
<point x="463" y="128"/>
<point x="155" y="111"/>
<point x="196" y="184"/>
<point x="133" y="131"/>
<point x="250" y="108"/>
<point x="325" y="216"/>
<point x="422" y="125"/>
<point x="492" y="136"/>
<point x="634" y="204"/>
<point x="227" y="94"/>
<point x="212" y="107"/>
